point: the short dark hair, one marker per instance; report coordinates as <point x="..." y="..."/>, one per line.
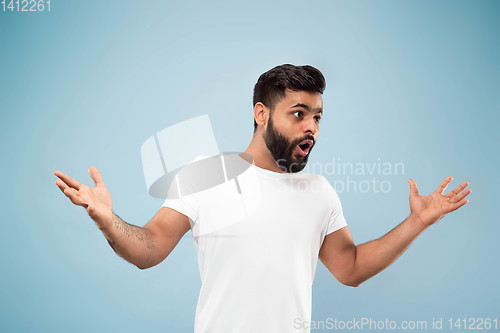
<point x="271" y="86"/>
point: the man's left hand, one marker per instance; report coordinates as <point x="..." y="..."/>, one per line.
<point x="430" y="209"/>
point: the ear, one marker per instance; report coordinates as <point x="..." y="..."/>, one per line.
<point x="260" y="114"/>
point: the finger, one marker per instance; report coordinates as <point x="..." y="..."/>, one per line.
<point x="96" y="176"/>
<point x="457" y="205"/>
<point x="72" y="194"/>
<point x="441" y="188"/>
<point x="62" y="185"/>
<point x="413" y="187"/>
<point x="460" y="196"/>
<point x="68" y="180"/>
<point x="457" y="189"/>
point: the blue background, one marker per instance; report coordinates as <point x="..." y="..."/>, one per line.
<point x="87" y="83"/>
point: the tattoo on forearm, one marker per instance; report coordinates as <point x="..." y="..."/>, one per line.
<point x="130" y="230"/>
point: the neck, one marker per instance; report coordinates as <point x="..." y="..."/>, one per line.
<point x="260" y="154"/>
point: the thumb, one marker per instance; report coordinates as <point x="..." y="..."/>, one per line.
<point x="96" y="176"/>
<point x="413" y="187"/>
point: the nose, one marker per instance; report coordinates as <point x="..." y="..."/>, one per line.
<point x="311" y="126"/>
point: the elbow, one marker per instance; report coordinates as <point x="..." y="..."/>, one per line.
<point x="147" y="265"/>
<point x="143" y="267"/>
<point x="351" y="283"/>
<point x="347" y="279"/>
<point x="149" y="262"/>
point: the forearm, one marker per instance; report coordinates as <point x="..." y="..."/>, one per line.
<point x="373" y="257"/>
<point x="132" y="243"/>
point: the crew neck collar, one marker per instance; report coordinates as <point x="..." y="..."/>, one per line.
<point x="271" y="173"/>
<point x="268" y="172"/>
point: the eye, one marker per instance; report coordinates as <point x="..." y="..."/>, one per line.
<point x="318" y="118"/>
<point x="298" y="112"/>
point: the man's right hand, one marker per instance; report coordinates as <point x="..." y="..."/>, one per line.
<point x="96" y="201"/>
<point x="142" y="246"/>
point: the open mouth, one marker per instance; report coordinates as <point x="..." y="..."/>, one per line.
<point x="304" y="147"/>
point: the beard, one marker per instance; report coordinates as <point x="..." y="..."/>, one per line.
<point x="283" y="149"/>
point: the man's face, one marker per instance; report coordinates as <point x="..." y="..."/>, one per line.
<point x="293" y="128"/>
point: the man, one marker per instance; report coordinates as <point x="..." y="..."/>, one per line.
<point x="258" y="242"/>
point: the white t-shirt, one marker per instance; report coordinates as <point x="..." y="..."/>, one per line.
<point x="258" y="237"/>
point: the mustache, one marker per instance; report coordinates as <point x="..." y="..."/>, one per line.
<point x="307" y="137"/>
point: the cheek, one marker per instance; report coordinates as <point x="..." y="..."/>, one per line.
<point x="289" y="125"/>
<point x="288" y="129"/>
<point x="284" y="124"/>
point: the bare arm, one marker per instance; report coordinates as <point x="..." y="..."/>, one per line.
<point x="352" y="264"/>
<point x="145" y="246"/>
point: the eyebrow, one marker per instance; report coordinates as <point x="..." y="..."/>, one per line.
<point x="319" y="110"/>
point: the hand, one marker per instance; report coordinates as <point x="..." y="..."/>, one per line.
<point x="97" y="201"/>
<point x="432" y="208"/>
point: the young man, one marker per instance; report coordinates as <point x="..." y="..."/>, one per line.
<point x="258" y="242"/>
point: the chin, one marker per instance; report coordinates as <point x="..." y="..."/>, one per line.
<point x="297" y="166"/>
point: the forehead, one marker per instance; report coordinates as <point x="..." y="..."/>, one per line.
<point x="312" y="99"/>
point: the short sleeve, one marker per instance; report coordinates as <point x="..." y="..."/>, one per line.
<point x="183" y="198"/>
<point x="336" y="220"/>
